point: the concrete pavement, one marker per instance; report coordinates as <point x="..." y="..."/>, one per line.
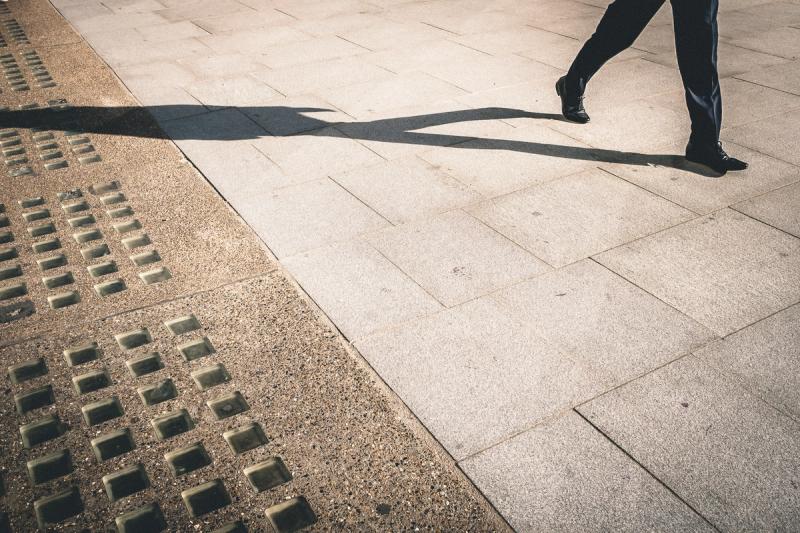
<point x="600" y="334"/>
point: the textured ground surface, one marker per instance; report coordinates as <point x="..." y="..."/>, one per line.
<point x="71" y="234"/>
<point x="601" y="335"/>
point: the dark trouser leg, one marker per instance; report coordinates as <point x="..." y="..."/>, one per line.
<point x="696" y="43"/>
<point x="621" y="24"/>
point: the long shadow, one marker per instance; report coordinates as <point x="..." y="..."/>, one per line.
<point x="195" y="122"/>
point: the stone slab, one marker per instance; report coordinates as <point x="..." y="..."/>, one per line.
<point x="566" y="476"/>
<point x="568" y="219"/>
<point x="359" y="288"/>
<point x="779" y="208"/>
<point x="764" y="358"/>
<point x="454" y="257"/>
<point x="725" y="452"/>
<point x="769" y="136"/>
<point x="724" y="270"/>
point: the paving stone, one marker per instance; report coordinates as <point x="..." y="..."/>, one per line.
<point x="120" y="212"/>
<point x="291" y="515"/>
<point x="146" y="258"/>
<point x="210" y="376"/>
<point x="125" y="482"/>
<point x="131" y="243"/>
<point x="101" y="411"/>
<point x="173" y="423"/>
<point x="108" y="288"/>
<point x="685" y="419"/>
<point x="359" y="288"/>
<point x="299" y="218"/>
<point x="146" y="518"/>
<point x="158" y="392"/>
<point x="84" y="353"/>
<point x="102" y="269"/>
<point x="7" y="254"/>
<point x="95" y="252"/>
<point x="454" y="257"/>
<point x="228" y="405"/>
<point x="195" y="349"/>
<point x="779" y="208"/>
<point x="10" y="272"/>
<point x="724" y="270"/>
<point x="566" y="476"/>
<point x="187" y="459"/>
<point x="133" y="339"/>
<point x="113" y="444"/>
<point x="206" y="498"/>
<point x="784" y="77"/>
<point x="58" y="507"/>
<point x="63" y="299"/>
<point x="245" y="438"/>
<point x="627" y="331"/>
<point x="548" y="221"/>
<point x="145" y="364"/>
<point x="27" y="370"/>
<point x="42" y="430"/>
<point x="423" y="190"/>
<point x="34" y="399"/>
<point x="87" y="236"/>
<point x="267" y="474"/>
<point x="155" y="276"/>
<point x="13" y="291"/>
<point x="769" y="136"/>
<point x="91" y="381"/>
<point x="183" y="324"/>
<point x="50" y="467"/>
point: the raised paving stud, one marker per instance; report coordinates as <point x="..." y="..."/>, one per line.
<point x="127" y="227"/>
<point x="77" y="355"/>
<point x="13" y="271"/>
<point x="7" y="254"/>
<point x="114" y="198"/>
<point x="267" y="474"/>
<point x="41" y="430"/>
<point x="83" y="237"/>
<point x="33" y="216"/>
<point x="205" y="498"/>
<point x="63" y="299"/>
<point x="108" y="288"/>
<point x="183" y="324"/>
<point x="54" y="261"/>
<point x="120" y="212"/>
<point x="72" y="194"/>
<point x="229" y="405"/>
<point x="58" y="507"/>
<point x="148" y="519"/>
<point x="95" y="252"/>
<point x="188" y="459"/>
<point x="155" y="276"/>
<point x="102" y="269"/>
<point x="13" y="291"/>
<point x="146" y="364"/>
<point x="6" y="236"/>
<point x="231" y="527"/>
<point x="196" y="349"/>
<point x="75" y="207"/>
<point x="59" y="280"/>
<point x="91" y="381"/>
<point x="50" y="467"/>
<point x="102" y="411"/>
<point x="81" y="221"/>
<point x="43" y="229"/>
<point x="112" y="444"/>
<point x="34" y="399"/>
<point x="136" y="241"/>
<point x="291" y="515"/>
<point x="125" y="482"/>
<point x="170" y="424"/>
<point x="146" y="258"/>
<point x="56" y="165"/>
<point x="46" y="245"/>
<point x="210" y="376"/>
<point x="133" y="339"/>
<point x="157" y="392"/>
<point x="31" y="202"/>
<point x="27" y="370"/>
<point x="246" y="437"/>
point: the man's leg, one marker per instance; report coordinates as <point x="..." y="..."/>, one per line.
<point x="621" y="24"/>
<point x="696" y="37"/>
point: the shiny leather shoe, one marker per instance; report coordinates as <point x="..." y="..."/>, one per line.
<point x="571" y="108"/>
<point x="714" y="157"/>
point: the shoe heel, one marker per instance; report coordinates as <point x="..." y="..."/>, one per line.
<point x="558" y="88"/>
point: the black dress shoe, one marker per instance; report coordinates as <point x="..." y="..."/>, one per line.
<point x="571" y="106"/>
<point x="714" y="156"/>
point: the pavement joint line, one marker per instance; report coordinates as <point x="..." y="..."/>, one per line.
<point x="651" y="474"/>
